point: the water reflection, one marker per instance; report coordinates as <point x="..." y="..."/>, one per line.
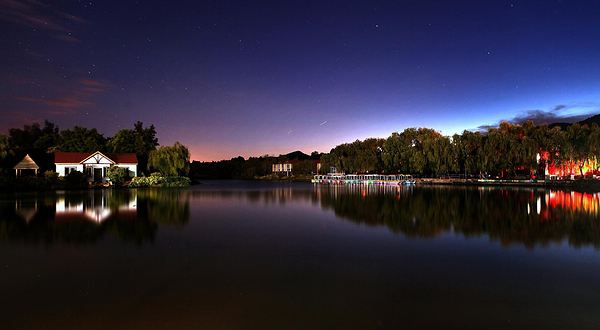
<point x="521" y="216"/>
<point x="84" y="217"/>
<point x="515" y="215"/>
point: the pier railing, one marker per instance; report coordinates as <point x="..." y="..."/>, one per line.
<point x="337" y="178"/>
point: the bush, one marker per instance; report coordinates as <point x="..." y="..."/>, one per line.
<point x="49" y="181"/>
<point x="140" y="181"/>
<point x="176" y="181"/>
<point x="75" y="179"/>
<point x="157" y="180"/>
<point x="52" y="180"/>
<point x="117" y="175"/>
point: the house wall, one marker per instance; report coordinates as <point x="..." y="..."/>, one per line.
<point x="89" y="169"/>
<point x="282" y="167"/>
<point x="61" y="168"/>
<point x="94" y="163"/>
<point x="132" y="169"/>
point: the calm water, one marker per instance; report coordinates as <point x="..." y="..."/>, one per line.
<point x="264" y="255"/>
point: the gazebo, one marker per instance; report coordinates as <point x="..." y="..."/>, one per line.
<point x="26" y="164"/>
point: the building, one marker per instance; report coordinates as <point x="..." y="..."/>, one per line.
<point x="26" y="165"/>
<point x="94" y="165"/>
<point x="287" y="166"/>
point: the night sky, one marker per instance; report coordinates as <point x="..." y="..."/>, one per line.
<point x="249" y="78"/>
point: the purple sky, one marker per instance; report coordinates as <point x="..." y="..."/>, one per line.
<point x="248" y="78"/>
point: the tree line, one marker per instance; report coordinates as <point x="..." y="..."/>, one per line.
<point x="239" y="167"/>
<point x="505" y="150"/>
<point x="169" y="160"/>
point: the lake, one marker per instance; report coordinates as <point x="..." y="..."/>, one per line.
<point x="281" y="255"/>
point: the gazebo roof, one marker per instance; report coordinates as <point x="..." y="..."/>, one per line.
<point x="26" y="164"/>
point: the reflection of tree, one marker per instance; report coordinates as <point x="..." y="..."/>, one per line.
<point x="509" y="215"/>
<point x="131" y="215"/>
<point x="166" y="206"/>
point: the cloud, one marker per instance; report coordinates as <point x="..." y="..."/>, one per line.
<point x="483" y="128"/>
<point x="558" y="114"/>
<point x="89" y="82"/>
<point x="67" y="101"/>
<point x="11" y="119"/>
<point x="66" y="38"/>
<point x="37" y="15"/>
<point x="93" y="90"/>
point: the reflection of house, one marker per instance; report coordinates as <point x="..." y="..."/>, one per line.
<point x="95" y="165"/>
<point x="96" y="208"/>
<point x="286" y="167"/>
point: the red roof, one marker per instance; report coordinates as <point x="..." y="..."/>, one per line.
<point x="78" y="157"/>
<point x="123" y="158"/>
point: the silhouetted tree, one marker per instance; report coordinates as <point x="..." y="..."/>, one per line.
<point x="81" y="139"/>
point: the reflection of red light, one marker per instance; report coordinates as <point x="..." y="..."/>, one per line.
<point x="574" y="201"/>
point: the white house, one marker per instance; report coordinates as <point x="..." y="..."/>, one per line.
<point x="94" y="164"/>
<point x="286" y="167"/>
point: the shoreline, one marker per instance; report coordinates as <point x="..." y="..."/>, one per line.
<point x="588" y="185"/>
<point x="592" y="184"/>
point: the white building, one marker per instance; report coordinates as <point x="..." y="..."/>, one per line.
<point x="286" y="167"/>
<point x="94" y="165"/>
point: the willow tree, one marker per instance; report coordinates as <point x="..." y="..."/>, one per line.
<point x="553" y="146"/>
<point x="393" y="149"/>
<point x="469" y="147"/>
<point x="594" y="144"/>
<point x="170" y="160"/>
<point x="579" y="144"/>
<point x="441" y="154"/>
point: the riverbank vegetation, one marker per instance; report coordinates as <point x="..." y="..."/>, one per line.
<point x="503" y="151"/>
<point x="254" y="167"/>
<point x="48" y="181"/>
<point x="509" y="150"/>
<point x="42" y="142"/>
<point x="171" y="162"/>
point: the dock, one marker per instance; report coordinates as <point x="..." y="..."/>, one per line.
<point x="404" y="179"/>
<point x="379" y="179"/>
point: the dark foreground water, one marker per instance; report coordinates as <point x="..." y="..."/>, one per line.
<point x="263" y="255"/>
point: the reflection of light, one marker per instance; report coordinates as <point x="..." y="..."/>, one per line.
<point x="132" y="205"/>
<point x="95" y="209"/>
<point x="98" y="215"/>
<point x="539" y="205"/>
<point x="575" y="201"/>
<point x="62" y="206"/>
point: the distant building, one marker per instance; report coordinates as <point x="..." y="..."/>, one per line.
<point x="94" y="165"/>
<point x="287" y="166"/>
